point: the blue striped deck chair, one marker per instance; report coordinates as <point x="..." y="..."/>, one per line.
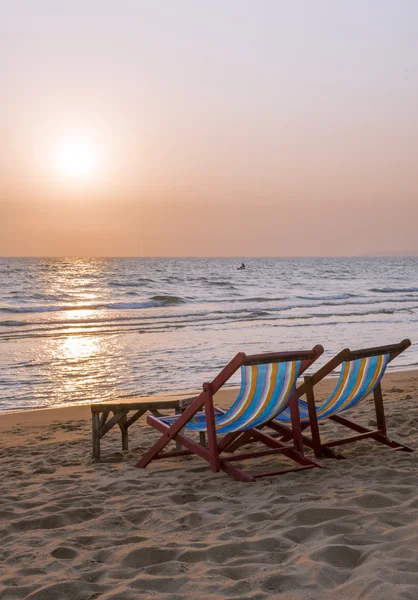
<point x="360" y="375"/>
<point x="268" y="383"/>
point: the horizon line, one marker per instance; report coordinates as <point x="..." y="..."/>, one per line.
<point x="179" y="257"/>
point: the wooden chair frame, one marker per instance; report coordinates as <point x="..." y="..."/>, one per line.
<point x="322" y="448"/>
<point x="215" y="447"/>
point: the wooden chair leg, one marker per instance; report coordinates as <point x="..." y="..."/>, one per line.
<point x="124" y="431"/>
<point x="313" y="419"/>
<point x="211" y="430"/>
<point x="296" y="425"/>
<point x="380" y="411"/>
<point x="95" y="435"/>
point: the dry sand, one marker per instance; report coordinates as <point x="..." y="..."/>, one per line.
<point x="71" y="529"/>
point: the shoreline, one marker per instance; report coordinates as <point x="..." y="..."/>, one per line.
<point x="51" y="414"/>
<point x="391" y="375"/>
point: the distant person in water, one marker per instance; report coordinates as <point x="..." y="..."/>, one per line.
<point x="241" y="267"/>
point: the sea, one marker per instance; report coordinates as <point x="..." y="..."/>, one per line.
<point x="78" y="331"/>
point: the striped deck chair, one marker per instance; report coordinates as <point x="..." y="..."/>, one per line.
<point x="268" y="384"/>
<point x="360" y="375"/>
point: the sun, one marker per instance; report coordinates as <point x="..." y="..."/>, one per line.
<point x="76" y="158"/>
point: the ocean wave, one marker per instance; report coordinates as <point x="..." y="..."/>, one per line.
<point x="284" y="324"/>
<point x="215" y="282"/>
<point x="139" y="283"/>
<point x="37" y="309"/>
<point x="160" y="323"/>
<point x="389" y="290"/>
<point x="13" y="323"/>
<point x="255" y="299"/>
<point x="332" y="297"/>
<point x="167" y="300"/>
<point x="371" y="301"/>
<point x="259" y="313"/>
<point x="236" y="315"/>
<point x="173" y="279"/>
<point x="154" y="302"/>
<point x="225" y="284"/>
<point x="127" y="305"/>
<point x="382" y="311"/>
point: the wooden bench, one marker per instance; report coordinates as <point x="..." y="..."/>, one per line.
<point x="119" y="411"/>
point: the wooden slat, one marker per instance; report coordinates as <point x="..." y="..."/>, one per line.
<point x="353" y="438"/>
<point x="269" y="357"/>
<point x="115" y="419"/>
<point x="348" y="423"/>
<point x="394" y="349"/>
<point x="291" y="453"/>
<point x="103" y="418"/>
<point x="258" y="454"/>
<point x="135" y="405"/>
<point x="155" y="412"/>
<point x="134" y="418"/>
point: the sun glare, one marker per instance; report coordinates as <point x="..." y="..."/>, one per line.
<point x="76" y="158"/>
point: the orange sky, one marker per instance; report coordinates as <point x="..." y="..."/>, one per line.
<point x="222" y="129"/>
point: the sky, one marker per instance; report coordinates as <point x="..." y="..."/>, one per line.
<point x="208" y="127"/>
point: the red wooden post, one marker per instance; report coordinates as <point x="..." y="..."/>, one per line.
<point x="313" y="419"/>
<point x="380" y="411"/>
<point x="211" y="428"/>
<point x="296" y="428"/>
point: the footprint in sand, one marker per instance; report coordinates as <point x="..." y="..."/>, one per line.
<point x="64" y="553"/>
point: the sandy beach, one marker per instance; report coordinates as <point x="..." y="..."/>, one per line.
<point x="73" y="529"/>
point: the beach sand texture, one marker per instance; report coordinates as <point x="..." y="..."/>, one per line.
<point x="74" y="530"/>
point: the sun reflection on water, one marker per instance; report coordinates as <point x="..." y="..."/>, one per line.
<point x="80" y="360"/>
<point x="83" y="368"/>
<point x="75" y="348"/>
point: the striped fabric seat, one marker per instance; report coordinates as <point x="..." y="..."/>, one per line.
<point x="265" y="391"/>
<point x="358" y="378"/>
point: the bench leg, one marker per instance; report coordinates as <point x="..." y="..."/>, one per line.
<point x="124" y="431"/>
<point x="95" y="435"/>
